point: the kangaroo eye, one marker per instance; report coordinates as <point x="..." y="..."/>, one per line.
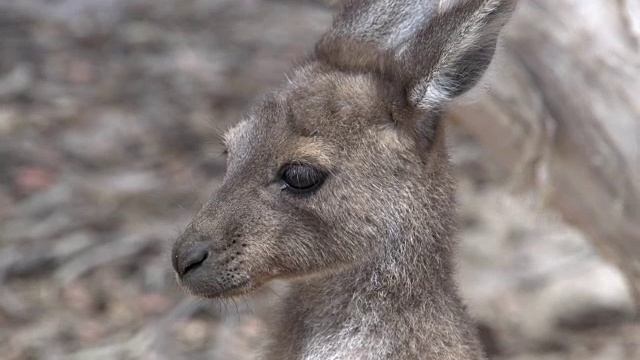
<point x="302" y="178"/>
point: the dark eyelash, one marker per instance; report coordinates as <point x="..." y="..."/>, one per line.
<point x="301" y="178"/>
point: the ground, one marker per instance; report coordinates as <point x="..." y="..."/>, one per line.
<point x="110" y="115"/>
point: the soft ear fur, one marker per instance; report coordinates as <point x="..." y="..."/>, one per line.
<point x="435" y="50"/>
<point x="452" y="51"/>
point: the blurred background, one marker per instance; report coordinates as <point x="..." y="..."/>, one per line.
<point x="110" y="113"/>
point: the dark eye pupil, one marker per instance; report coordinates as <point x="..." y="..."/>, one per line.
<point x="302" y="177"/>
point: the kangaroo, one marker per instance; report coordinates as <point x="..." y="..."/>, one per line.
<point x="339" y="181"/>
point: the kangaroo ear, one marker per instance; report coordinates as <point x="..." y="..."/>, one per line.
<point x="366" y="32"/>
<point x="450" y="54"/>
<point x="434" y="52"/>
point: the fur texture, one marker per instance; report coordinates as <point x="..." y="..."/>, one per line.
<point x="369" y="252"/>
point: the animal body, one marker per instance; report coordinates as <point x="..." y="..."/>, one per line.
<point x="339" y="181"/>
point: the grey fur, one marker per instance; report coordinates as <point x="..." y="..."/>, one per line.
<point x="369" y="254"/>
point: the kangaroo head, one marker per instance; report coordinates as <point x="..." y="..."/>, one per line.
<point x="323" y="171"/>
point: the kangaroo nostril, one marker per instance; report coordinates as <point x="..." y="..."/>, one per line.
<point x="192" y="259"/>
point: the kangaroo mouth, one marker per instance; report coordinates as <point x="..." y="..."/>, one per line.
<point x="234" y="291"/>
<point x="215" y="287"/>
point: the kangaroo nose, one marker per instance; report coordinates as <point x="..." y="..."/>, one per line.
<point x="188" y="257"/>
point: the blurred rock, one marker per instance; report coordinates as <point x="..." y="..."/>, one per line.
<point x="8" y="120"/>
<point x="16" y="82"/>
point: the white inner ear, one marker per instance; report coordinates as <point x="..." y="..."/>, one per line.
<point x="438" y="88"/>
<point x="430" y="93"/>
